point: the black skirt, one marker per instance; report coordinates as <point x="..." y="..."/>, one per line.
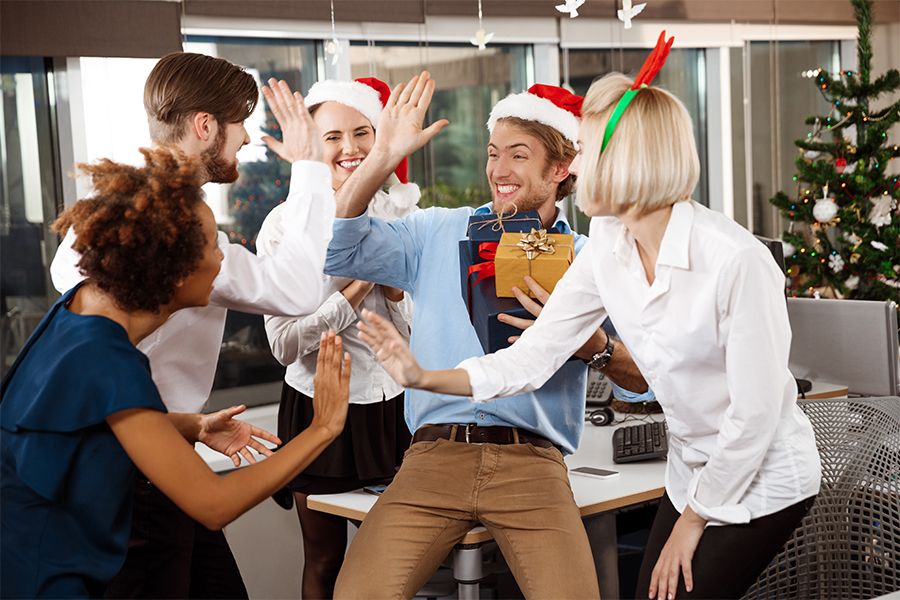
<point x="367" y="452"/>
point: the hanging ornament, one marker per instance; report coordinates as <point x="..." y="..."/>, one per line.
<point x="826" y="208"/>
<point x="880" y="215"/>
<point x="852" y="282"/>
<point x="854" y="258"/>
<point x="570" y="7"/>
<point x="482" y="38"/>
<point x="878" y="245"/>
<point x="891" y="282"/>
<point x="836" y="263"/>
<point x="840" y="164"/>
<point x="853" y="239"/>
<point x="629" y="11"/>
<point x="788" y="248"/>
<point x="333" y="46"/>
<point x="813" y="138"/>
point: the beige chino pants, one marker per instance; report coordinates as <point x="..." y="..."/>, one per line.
<point x="519" y="492"/>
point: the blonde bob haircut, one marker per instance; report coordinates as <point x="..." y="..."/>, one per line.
<point x="651" y="160"/>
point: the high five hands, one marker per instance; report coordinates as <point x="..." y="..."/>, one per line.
<point x="391" y="349"/>
<point x="400" y="129"/>
<point x="300" y="138"/>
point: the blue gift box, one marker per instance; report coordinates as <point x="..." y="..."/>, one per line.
<point x="487" y="228"/>
<point x="484" y="305"/>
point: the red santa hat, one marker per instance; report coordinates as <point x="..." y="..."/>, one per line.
<point x="368" y="95"/>
<point x="551" y="105"/>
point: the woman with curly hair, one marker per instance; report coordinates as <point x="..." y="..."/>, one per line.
<point x="79" y="409"/>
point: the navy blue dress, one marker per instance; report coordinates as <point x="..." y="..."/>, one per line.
<point x="65" y="481"/>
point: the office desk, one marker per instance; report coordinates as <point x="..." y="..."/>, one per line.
<point x="596" y="498"/>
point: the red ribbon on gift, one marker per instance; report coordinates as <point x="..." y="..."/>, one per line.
<point x="483" y="270"/>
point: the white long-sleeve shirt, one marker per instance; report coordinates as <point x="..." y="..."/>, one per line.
<point x="295" y="342"/>
<point x="184" y="351"/>
<point x="711" y="336"/>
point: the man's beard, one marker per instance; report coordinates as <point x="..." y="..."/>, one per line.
<point x="218" y="168"/>
<point x="535" y="199"/>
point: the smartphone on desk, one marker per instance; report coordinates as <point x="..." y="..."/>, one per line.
<point x="375" y="489"/>
<point x="594" y="472"/>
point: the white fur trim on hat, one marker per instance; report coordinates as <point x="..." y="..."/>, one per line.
<point x="349" y="93"/>
<point x="534" y="108"/>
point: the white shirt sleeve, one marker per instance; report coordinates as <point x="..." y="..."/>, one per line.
<point x="572" y="314"/>
<point x="291" y="338"/>
<point x="752" y="308"/>
<point x="64" y="270"/>
<point x="290" y="281"/>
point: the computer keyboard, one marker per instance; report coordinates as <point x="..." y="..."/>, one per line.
<point x="644" y="441"/>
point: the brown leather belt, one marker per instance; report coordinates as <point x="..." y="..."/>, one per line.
<point x="474" y="434"/>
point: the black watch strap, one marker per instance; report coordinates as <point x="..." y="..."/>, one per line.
<point x="601" y="359"/>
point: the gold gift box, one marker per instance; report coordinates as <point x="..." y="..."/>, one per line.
<point x="551" y="254"/>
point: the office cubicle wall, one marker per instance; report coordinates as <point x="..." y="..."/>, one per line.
<point x="847" y="342"/>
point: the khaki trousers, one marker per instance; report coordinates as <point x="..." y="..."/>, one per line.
<point x="519" y="492"/>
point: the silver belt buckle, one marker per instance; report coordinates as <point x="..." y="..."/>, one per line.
<point x="469" y="432"/>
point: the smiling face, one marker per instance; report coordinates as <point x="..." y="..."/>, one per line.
<point x="519" y="171"/>
<point x="348" y="137"/>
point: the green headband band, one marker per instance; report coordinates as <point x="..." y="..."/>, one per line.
<point x="624" y="101"/>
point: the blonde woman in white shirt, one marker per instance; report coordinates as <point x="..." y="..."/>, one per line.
<point x="700" y="304"/>
<point x="375" y="437"/>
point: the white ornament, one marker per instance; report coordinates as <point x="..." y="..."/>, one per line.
<point x="628" y="12"/>
<point x="852" y="282"/>
<point x="891" y="282"/>
<point x="333" y="49"/>
<point x="817" y="295"/>
<point x="878" y="245"/>
<point x="836" y="263"/>
<point x="825" y="208"/>
<point x="788" y="248"/>
<point x="482" y="38"/>
<point x="854" y="239"/>
<point x="570" y="7"/>
<point x="880" y="214"/>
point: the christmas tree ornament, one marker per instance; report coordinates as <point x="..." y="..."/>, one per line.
<point x="878" y="245"/>
<point x="788" y="248"/>
<point x="836" y="263"/>
<point x="481" y="38"/>
<point x="629" y="11"/>
<point x="880" y="215"/>
<point x="840" y="164"/>
<point x="854" y="258"/>
<point x="852" y="282"/>
<point x="570" y="7"/>
<point x="333" y="46"/>
<point x="825" y="208"/>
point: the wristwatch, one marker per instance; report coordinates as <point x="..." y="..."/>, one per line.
<point x="600" y="359"/>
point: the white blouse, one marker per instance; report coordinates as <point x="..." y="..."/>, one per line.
<point x="711" y="336"/>
<point x="184" y="351"/>
<point x="295" y="342"/>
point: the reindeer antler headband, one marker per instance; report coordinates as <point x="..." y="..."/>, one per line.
<point x="652" y="65"/>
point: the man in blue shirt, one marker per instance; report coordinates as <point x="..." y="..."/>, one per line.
<point x="512" y="478"/>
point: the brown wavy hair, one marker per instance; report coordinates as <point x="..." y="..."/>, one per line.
<point x="139" y="233"/>
<point x="184" y="83"/>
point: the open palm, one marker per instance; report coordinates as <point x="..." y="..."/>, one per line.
<point x="390" y="348"/>
<point x="223" y="433"/>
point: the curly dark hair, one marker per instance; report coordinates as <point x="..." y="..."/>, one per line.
<point x="139" y="233"/>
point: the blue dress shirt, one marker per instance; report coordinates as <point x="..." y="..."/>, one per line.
<point x="419" y="254"/>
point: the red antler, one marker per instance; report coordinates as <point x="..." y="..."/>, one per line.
<point x="654" y="61"/>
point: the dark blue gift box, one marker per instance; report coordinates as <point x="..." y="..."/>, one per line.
<point x="485" y="228"/>
<point x="484" y="305"/>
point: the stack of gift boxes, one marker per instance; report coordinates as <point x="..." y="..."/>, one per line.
<point x="495" y="257"/>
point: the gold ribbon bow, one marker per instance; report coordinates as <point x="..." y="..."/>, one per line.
<point x="536" y="242"/>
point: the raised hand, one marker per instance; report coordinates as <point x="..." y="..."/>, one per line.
<point x="400" y="129"/>
<point x="390" y="348"/>
<point x="331" y="385"/>
<point x="223" y="433"/>
<point x="300" y="139"/>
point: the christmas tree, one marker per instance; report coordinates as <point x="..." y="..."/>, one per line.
<point x="843" y="237"/>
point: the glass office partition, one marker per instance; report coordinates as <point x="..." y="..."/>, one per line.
<point x="450" y="169"/>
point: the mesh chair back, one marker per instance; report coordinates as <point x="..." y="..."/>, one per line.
<point x="848" y="546"/>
